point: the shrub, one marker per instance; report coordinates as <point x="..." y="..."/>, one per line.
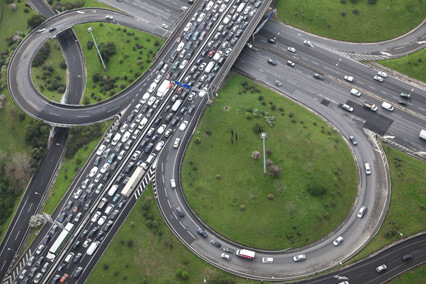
<point x="197" y="140"/>
<point x="242" y="207"/>
<point x="35" y="21"/>
<point x="260" y="98"/>
<point x="271" y="196"/>
<point x="275" y="171"/>
<point x="257" y="128"/>
<point x="316" y="189"/>
<point x="372" y="2"/>
<point x="249" y="115"/>
<point x="343" y="14"/>
<point x="355" y="11"/>
<point x="255" y="155"/>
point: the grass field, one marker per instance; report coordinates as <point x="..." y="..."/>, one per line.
<point x="362" y="22"/>
<point x="12" y="140"/>
<point x="413" y="65"/>
<point x="407" y="210"/>
<point x="134" y="53"/>
<point x="418" y="275"/>
<point x="54" y="60"/>
<point x="154" y="254"/>
<point x="220" y="178"/>
<point x="69" y="169"/>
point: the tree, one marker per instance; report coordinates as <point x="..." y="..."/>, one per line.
<point x="35" y="21"/>
<point x="255" y="155"/>
<point x="35" y="221"/>
<point x="257" y="128"/>
<point x="12" y="6"/>
<point x="275" y="171"/>
<point x="18" y="168"/>
<point x="316" y="188"/>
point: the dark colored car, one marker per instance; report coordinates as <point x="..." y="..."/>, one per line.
<point x="319" y="76"/>
<point x="180" y="212"/>
<point x="202" y="233"/>
<point x="407" y="257"/>
<point x="215" y="243"/>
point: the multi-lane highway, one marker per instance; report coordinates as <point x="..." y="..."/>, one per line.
<point x="325" y="97"/>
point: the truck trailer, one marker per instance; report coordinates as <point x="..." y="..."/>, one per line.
<point x="164" y="88"/>
<point x="373" y="107"/>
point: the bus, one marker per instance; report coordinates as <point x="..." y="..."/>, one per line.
<point x="60" y="241"/>
<point x="133" y="181"/>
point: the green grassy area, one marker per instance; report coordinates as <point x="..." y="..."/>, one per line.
<point x="69" y="169"/>
<point x="42" y="76"/>
<point x="134" y="53"/>
<point x="413" y="65"/>
<point x="76" y="4"/>
<point x="147" y="252"/>
<point x="361" y="22"/>
<point x="417" y="275"/>
<point x="226" y="186"/>
<point x="407" y="210"/>
<point x="13" y="122"/>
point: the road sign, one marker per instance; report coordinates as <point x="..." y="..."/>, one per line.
<point x="182" y="85"/>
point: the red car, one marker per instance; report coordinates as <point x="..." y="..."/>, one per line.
<point x="64" y="278"/>
<point x="211" y="53"/>
<point x="169" y="75"/>
<point x="180" y="90"/>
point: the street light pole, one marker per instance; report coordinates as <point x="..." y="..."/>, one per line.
<point x="263" y="136"/>
<point x="338" y="62"/>
<point x="12" y="250"/>
<point x="90" y="29"/>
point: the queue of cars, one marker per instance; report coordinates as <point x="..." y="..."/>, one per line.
<point x="123" y="135"/>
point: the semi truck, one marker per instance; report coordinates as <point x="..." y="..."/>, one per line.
<point x="373" y="107"/>
<point x="245" y="253"/>
<point x="164" y="88"/>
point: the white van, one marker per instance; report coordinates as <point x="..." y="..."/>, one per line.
<point x="145" y="98"/>
<point x="152" y="87"/>
<point x="176" y="105"/>
<point x="109" y="209"/>
<point x="93" y="246"/>
<point x="209" y="67"/>
<point x="143" y="122"/>
<point x="113" y="189"/>
<point x="241" y="7"/>
<point x="151" y="158"/>
<point x="387" y="106"/>
<point x="116" y="139"/>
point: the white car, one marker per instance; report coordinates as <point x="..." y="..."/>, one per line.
<point x="40" y="249"/>
<point x="183" y="125"/>
<point x="152" y="87"/>
<point x="93" y="171"/>
<point x="225" y="256"/>
<point x="105" y="167"/>
<point x="135" y="155"/>
<point x="176" y="143"/>
<point x="98" y="177"/>
<point x="267" y="259"/>
<point x="381" y="268"/>
<point x="180" y="46"/>
<point x="338" y="241"/>
<point x="378" y="78"/>
<point x="151" y="101"/>
<point x="347" y="107"/>
<point x="355" y="92"/>
<point x="101" y="220"/>
<point x="168" y="132"/>
<point x="100" y="150"/>
<point x="158" y="78"/>
<point x="121" y="155"/>
<point x="77" y="194"/>
<point x="367" y="168"/>
<point x="173" y="183"/>
<point x="183" y="64"/>
<point x="291" y="49"/>
<point x="143" y="100"/>
<point x="164" y="26"/>
<point x="382" y="74"/>
<point x="96" y="216"/>
<point x="308" y="43"/>
<point x="361" y="211"/>
<point x="299" y="257"/>
<point x="161" y="129"/>
<point x="159" y="145"/>
<point x="124" y="127"/>
<point x="125" y="137"/>
<point x="109" y="17"/>
<point x="349" y="78"/>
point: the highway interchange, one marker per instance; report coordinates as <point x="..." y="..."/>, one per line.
<point x="327" y="95"/>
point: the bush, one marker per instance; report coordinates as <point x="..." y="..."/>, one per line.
<point x="35" y="21"/>
<point x="257" y="128"/>
<point x="316" y="189"/>
<point x="275" y="171"/>
<point x="343" y="14"/>
<point x="355" y="11"/>
<point x="41" y="55"/>
<point x="260" y="98"/>
<point x="197" y="140"/>
<point x="372" y="2"/>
